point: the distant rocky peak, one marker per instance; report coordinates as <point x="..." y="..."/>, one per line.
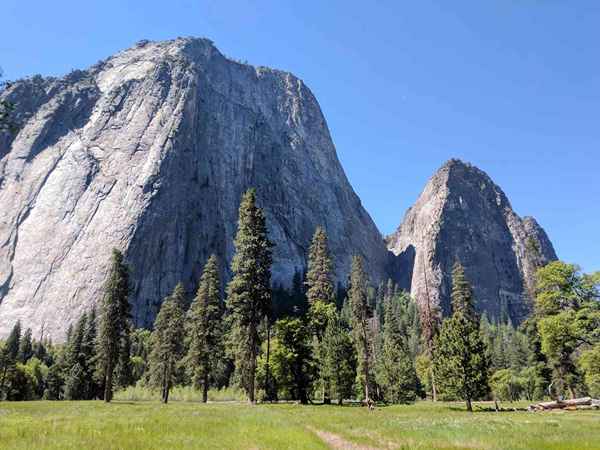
<point x="462" y="215"/>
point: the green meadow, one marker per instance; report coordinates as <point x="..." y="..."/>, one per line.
<point x="235" y="425"/>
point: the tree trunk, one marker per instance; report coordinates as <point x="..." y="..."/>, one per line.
<point x="205" y="388"/>
<point x="326" y="392"/>
<point x="433" y="387"/>
<point x="469" y="406"/>
<point x="252" y="368"/>
<point x="267" y="368"/>
<point x="108" y="377"/>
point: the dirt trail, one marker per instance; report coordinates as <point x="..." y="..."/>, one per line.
<point x="337" y="442"/>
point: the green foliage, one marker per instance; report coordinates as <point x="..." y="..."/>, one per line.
<point x="568" y="320"/>
<point x="590" y="364"/>
<point x="396" y="375"/>
<point x="318" y="278"/>
<point x="506" y="385"/>
<point x="460" y="364"/>
<point x="204" y="327"/>
<point x="249" y="293"/>
<point x="291" y="364"/>
<point x="113" y="322"/>
<point x="167" y="342"/>
<point x="25" y="347"/>
<point x="337" y="358"/>
<point x="361" y="330"/>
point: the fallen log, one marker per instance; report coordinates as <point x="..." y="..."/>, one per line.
<point x="563" y="404"/>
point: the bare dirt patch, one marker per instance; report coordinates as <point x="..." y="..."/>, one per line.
<point x="339" y="443"/>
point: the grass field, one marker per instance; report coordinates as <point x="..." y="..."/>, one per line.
<point x="150" y="425"/>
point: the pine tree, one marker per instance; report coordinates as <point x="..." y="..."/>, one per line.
<point x="25" y="347"/>
<point x="89" y="356"/>
<point x="54" y="383"/>
<point x="318" y="278"/>
<point x="8" y="358"/>
<point x="396" y="374"/>
<point x="112" y="322"/>
<point x="76" y="362"/>
<point x="204" y="328"/>
<point x="11" y="346"/>
<point x="167" y="341"/>
<point x="338" y="359"/>
<point x="359" y="304"/>
<point x="249" y="291"/>
<point x="460" y="362"/>
<point x="295" y="359"/>
<point x="320" y="294"/>
<point x="430" y="317"/>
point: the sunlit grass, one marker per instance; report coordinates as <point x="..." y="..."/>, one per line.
<point x="185" y="424"/>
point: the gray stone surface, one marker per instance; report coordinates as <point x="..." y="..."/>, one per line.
<point x="462" y="215"/>
<point x="149" y="151"/>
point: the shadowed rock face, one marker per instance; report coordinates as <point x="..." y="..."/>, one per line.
<point x="462" y="215"/>
<point x="150" y="152"/>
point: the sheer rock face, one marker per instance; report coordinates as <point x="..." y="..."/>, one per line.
<point x="462" y="215"/>
<point x="150" y="152"/>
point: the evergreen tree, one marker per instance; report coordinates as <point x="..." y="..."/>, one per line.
<point x="460" y="362"/>
<point x="75" y="361"/>
<point x="295" y="357"/>
<point x="319" y="276"/>
<point x="320" y="295"/>
<point x="205" y="328"/>
<point x="11" y="346"/>
<point x="89" y="360"/>
<point x="112" y="322"/>
<point x="359" y="304"/>
<point x="124" y="371"/>
<point x="396" y="374"/>
<point x="338" y="359"/>
<point x="54" y="383"/>
<point x="25" y="347"/>
<point x="8" y="359"/>
<point x="249" y="291"/>
<point x="167" y="341"/>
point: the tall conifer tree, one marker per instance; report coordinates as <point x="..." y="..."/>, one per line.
<point x="167" y="341"/>
<point x="460" y="362"/>
<point x="359" y="304"/>
<point x="396" y="374"/>
<point x="112" y="321"/>
<point x="205" y="328"/>
<point x="321" y="296"/>
<point x="249" y="291"/>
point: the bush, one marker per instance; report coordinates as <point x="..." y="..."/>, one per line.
<point x="179" y="393"/>
<point x="506" y="385"/>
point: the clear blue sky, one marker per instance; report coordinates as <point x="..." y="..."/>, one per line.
<point x="512" y="86"/>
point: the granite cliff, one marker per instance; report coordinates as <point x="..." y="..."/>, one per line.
<point x="461" y="215"/>
<point x="149" y="151"/>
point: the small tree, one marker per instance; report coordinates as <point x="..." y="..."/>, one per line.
<point x="249" y="291"/>
<point x="167" y="341"/>
<point x="25" y="347"/>
<point x="460" y="364"/>
<point x="396" y="374"/>
<point x="205" y="328"/>
<point x="8" y="358"/>
<point x="338" y="359"/>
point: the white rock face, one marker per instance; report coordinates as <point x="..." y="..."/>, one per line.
<point x="150" y="152"/>
<point x="462" y="215"/>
